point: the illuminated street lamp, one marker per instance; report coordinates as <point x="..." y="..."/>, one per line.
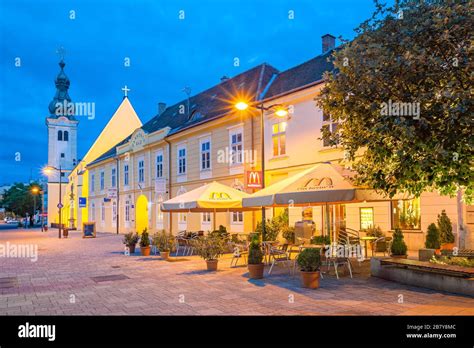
<point x="280" y="111"/>
<point x="34" y="191"/>
<point x="48" y="171"/>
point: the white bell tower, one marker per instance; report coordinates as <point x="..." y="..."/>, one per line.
<point x="62" y="130"/>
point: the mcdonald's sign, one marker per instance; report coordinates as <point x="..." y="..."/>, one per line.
<point x="253" y="178"/>
<point x="219" y="196"/>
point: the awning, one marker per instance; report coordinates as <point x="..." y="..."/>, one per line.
<point x="213" y="197"/>
<point x="320" y="184"/>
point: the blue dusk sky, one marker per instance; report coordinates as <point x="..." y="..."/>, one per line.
<point x="166" y="53"/>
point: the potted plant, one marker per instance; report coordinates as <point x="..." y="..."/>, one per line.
<point x="130" y="240"/>
<point x="432" y="243"/>
<point x="309" y="262"/>
<point x="398" y="248"/>
<point x="288" y="232"/>
<point x="210" y="248"/>
<point x="445" y="231"/>
<point x="323" y="240"/>
<point x="145" y="243"/>
<point x="164" y="243"/>
<point x="255" y="264"/>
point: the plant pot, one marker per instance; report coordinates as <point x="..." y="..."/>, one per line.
<point x="310" y="280"/>
<point x="426" y="254"/>
<point x="165" y="255"/>
<point x="447" y="246"/>
<point x="211" y="265"/>
<point x="145" y="251"/>
<point x="399" y="256"/>
<point x="131" y="248"/>
<point x="256" y="271"/>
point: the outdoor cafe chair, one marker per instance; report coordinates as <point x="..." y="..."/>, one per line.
<point x="279" y="255"/>
<point x="335" y="261"/>
<point x="240" y="251"/>
<point x="381" y="245"/>
<point x="181" y="244"/>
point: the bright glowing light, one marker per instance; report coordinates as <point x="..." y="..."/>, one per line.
<point x="34" y="190"/>
<point x="281" y="112"/>
<point x="48" y="171"/>
<point x="241" y="105"/>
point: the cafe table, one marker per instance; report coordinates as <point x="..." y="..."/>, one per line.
<point x="365" y="240"/>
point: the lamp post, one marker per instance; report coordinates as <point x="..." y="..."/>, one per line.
<point x="117" y="182"/>
<point x="280" y="111"/>
<point x="48" y="171"/>
<point x="34" y="191"/>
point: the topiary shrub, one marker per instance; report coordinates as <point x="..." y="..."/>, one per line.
<point x="309" y="260"/>
<point x="445" y="228"/>
<point x="145" y="239"/>
<point x="398" y="244"/>
<point x="432" y="237"/>
<point x="255" y="251"/>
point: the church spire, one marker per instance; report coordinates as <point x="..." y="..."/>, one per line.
<point x="59" y="106"/>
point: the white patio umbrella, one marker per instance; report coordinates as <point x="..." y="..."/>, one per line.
<point x="213" y="197"/>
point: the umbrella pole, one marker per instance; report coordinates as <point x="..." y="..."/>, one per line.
<point x="214" y="219"/>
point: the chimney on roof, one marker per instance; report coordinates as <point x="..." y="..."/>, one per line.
<point x="161" y="108"/>
<point x="224" y="78"/>
<point x="329" y="42"/>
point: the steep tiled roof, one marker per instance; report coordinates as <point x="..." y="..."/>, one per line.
<point x="301" y="75"/>
<point x="210" y="104"/>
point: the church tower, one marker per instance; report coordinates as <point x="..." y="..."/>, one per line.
<point x="62" y="129"/>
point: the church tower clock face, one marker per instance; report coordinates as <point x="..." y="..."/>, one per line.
<point x="62" y="129"/>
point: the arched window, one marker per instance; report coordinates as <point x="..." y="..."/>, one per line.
<point x="60" y="135"/>
<point x="66" y="136"/>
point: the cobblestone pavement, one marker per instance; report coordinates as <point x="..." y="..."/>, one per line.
<point x="60" y="283"/>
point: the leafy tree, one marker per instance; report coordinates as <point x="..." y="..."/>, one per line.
<point x="414" y="54"/>
<point x="19" y="199"/>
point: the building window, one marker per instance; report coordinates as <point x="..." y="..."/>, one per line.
<point x="125" y="175"/>
<point x="92" y="182"/>
<point x="60" y="135"/>
<point x="206" y="155"/>
<point x="366" y="218"/>
<point x="114" y="177"/>
<point x="182" y="160"/>
<point x="237" y="217"/>
<point x="63" y="174"/>
<point x="66" y="136"/>
<point x="127" y="211"/>
<point x="102" y="212"/>
<point x="329" y="127"/>
<point x="206" y="218"/>
<point x="114" y="212"/>
<point x="93" y="211"/>
<point x="236" y="148"/>
<point x="159" y="165"/>
<point x="182" y="218"/>
<point x="141" y="171"/>
<point x="406" y="215"/>
<point x="102" y="181"/>
<point x="159" y="215"/>
<point x="279" y="138"/>
<point x="62" y="154"/>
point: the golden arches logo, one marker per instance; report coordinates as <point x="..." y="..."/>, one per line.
<point x="220" y="196"/>
<point x="316" y="182"/>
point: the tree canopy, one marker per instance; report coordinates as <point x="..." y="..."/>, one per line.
<point x="19" y="199"/>
<point x="402" y="96"/>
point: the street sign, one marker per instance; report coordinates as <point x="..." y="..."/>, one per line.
<point x="253" y="178"/>
<point x="82" y="202"/>
<point x="60" y="205"/>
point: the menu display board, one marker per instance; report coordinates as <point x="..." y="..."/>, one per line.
<point x="88" y="230"/>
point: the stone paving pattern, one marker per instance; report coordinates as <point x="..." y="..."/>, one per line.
<point x="65" y="267"/>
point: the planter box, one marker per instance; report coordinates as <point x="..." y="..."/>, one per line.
<point x="426" y="254"/>
<point x="423" y="278"/>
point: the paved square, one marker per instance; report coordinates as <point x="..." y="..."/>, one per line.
<point x="64" y="281"/>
